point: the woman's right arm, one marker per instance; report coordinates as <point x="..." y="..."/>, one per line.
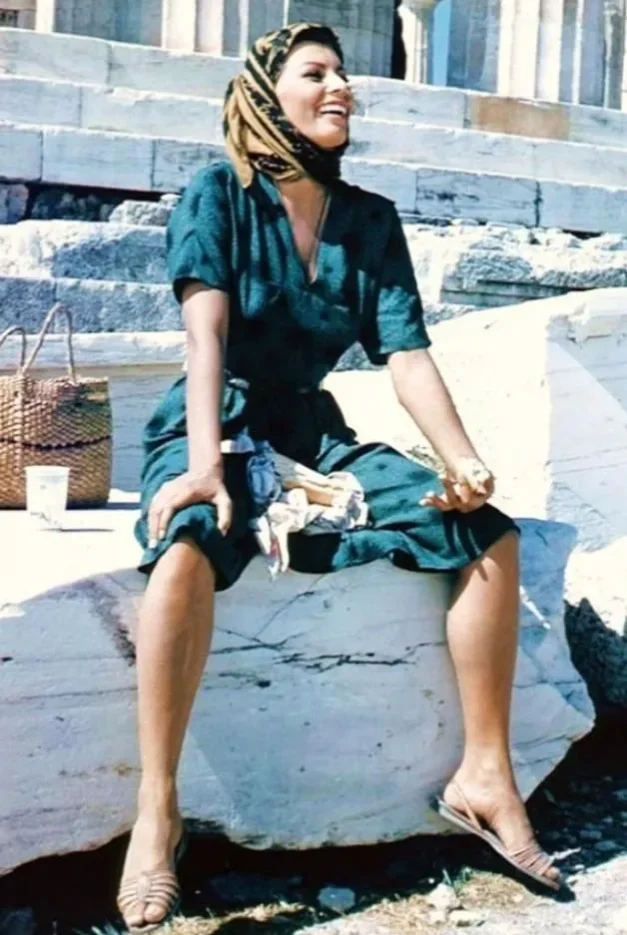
<point x="206" y="317"/>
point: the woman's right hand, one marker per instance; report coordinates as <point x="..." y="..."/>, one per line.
<point x="189" y="488"/>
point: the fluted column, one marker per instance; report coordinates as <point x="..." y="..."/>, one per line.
<point x="228" y="27"/>
<point x="584" y="52"/>
<point x="614" y="52"/>
<point x="178" y="25"/>
<point x="518" y="47"/>
<point x="474" y="44"/>
<point x="550" y="44"/>
<point x="417" y="19"/>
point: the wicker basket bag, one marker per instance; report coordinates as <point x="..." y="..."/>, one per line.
<point x="64" y="421"/>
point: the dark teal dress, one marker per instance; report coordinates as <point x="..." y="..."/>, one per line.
<point x="285" y="335"/>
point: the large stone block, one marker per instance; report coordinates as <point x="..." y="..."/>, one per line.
<point x="25" y="301"/>
<point x="104" y="160"/>
<point x="82" y="250"/>
<point x="176" y="162"/>
<point x="529" y="119"/>
<point x="496" y="265"/>
<point x="150" y="114"/>
<point x="97" y="306"/>
<point x="598" y="125"/>
<point x="455" y="194"/>
<point x="29" y="100"/>
<point x="392" y="180"/>
<point x="541" y="390"/>
<point x="582" y="207"/>
<point x="332" y="685"/>
<point x="204" y="76"/>
<point x="580" y="163"/>
<point x="118" y="306"/>
<point x="386" y="99"/>
<point x="21" y="153"/>
<point x="53" y="56"/>
<point x="442" y="147"/>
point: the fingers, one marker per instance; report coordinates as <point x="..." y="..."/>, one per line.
<point x="173" y="496"/>
<point x="457" y="495"/>
<point x="154" y="517"/>
<point x="224" y="508"/>
<point x="439" y="501"/>
<point x="161" y="511"/>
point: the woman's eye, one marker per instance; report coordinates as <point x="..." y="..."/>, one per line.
<point x="314" y="75"/>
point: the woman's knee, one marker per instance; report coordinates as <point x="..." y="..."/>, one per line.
<point x="186" y="565"/>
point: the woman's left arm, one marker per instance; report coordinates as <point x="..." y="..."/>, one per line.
<point x="421" y="390"/>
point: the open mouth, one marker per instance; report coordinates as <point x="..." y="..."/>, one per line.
<point x="334" y="110"/>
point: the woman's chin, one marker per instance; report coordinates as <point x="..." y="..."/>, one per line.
<point x="331" y="141"/>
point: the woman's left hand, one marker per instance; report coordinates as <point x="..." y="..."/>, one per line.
<point x="467" y="486"/>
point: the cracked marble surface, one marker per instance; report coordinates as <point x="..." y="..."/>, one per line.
<point x="328" y="713"/>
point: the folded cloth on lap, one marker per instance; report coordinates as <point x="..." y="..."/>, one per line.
<point x="289" y="497"/>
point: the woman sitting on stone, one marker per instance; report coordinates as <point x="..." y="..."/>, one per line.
<point x="280" y="267"/>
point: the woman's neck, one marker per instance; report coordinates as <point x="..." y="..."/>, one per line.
<point x="306" y="193"/>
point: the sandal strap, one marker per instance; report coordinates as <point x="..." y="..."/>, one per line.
<point x="161" y="887"/>
<point x="468" y="809"/>
<point x="533" y="858"/>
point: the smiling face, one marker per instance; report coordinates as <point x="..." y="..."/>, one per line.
<point x="314" y="94"/>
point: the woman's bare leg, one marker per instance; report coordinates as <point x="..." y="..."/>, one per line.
<point x="483" y="637"/>
<point x="173" y="639"/>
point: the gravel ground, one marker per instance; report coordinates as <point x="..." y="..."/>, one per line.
<point x="580" y="813"/>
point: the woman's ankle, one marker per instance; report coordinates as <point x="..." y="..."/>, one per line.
<point x="158" y="796"/>
<point x="485" y="767"/>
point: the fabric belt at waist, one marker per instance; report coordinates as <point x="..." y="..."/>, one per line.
<point x="268" y="389"/>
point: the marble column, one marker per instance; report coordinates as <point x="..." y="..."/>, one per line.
<point x="19" y="13"/>
<point x="584" y="53"/>
<point x="550" y="43"/>
<point x="518" y="48"/>
<point x="417" y="19"/>
<point x="474" y="44"/>
<point x="80" y="17"/>
<point x="614" y="52"/>
<point x="228" y="27"/>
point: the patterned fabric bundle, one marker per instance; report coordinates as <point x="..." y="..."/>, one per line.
<point x="259" y="137"/>
<point x="289" y="497"/>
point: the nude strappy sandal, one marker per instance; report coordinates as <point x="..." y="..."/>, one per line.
<point x="529" y="860"/>
<point x="159" y="887"/>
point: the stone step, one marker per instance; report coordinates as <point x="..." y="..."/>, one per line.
<point x="103" y="159"/>
<point x="96" y="305"/>
<point x="116" y="65"/>
<point x="83" y="250"/>
<point x="126" y="308"/>
<point x="33" y="101"/>
<point x="457" y="265"/>
<point x="85" y="60"/>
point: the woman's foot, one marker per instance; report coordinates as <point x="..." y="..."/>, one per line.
<point x="150" y="859"/>
<point x="492" y="796"/>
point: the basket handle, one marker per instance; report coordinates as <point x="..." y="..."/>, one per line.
<point x="16" y="329"/>
<point x="57" y="309"/>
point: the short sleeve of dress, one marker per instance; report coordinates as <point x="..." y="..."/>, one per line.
<point x="394" y="321"/>
<point x="199" y="235"/>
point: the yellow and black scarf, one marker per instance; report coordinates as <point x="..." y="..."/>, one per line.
<point x="259" y="137"/>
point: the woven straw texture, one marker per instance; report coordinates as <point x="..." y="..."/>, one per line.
<point x="63" y="421"/>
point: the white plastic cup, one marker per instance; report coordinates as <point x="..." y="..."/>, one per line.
<point x="46" y="494"/>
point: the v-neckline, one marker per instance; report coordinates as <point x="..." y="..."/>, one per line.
<point x="305" y="274"/>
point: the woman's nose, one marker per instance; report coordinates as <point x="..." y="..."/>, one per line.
<point x="337" y="83"/>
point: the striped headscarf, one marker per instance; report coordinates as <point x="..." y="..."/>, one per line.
<point x="259" y="137"/>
